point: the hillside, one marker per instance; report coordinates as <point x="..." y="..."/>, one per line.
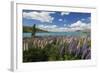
<point x="29" y="29"/>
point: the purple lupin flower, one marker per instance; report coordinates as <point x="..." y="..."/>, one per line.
<point x="88" y="56"/>
<point x="61" y="49"/>
<point x="85" y="46"/>
<point x="77" y="49"/>
<point x="84" y="54"/>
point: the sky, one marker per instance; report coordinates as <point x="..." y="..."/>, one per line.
<point x="60" y="21"/>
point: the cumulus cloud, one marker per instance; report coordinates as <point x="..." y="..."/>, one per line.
<point x="65" y="13"/>
<point x="47" y="27"/>
<point x="65" y="24"/>
<point x="88" y="20"/>
<point x="41" y="16"/>
<point x="79" y="25"/>
<point x="60" y="19"/>
<point x="83" y="19"/>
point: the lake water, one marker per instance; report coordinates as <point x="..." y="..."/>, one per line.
<point x="55" y="34"/>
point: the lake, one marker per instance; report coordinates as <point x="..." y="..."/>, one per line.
<point x="56" y="34"/>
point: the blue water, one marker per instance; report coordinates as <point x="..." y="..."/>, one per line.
<point x="55" y="34"/>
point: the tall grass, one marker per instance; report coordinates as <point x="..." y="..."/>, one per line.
<point x="57" y="49"/>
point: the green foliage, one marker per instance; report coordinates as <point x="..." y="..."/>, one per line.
<point x="28" y="29"/>
<point x="52" y="52"/>
<point x="33" y="55"/>
<point x="34" y="30"/>
<point x="49" y="53"/>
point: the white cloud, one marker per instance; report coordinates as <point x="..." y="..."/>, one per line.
<point x="79" y="25"/>
<point x="57" y="29"/>
<point x="65" y="13"/>
<point x="41" y="16"/>
<point x="73" y="27"/>
<point x="88" y="19"/>
<point x="60" y="19"/>
<point x="65" y="24"/>
<point x="47" y="27"/>
<point x="82" y="19"/>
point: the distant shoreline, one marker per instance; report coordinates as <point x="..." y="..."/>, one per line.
<point x="52" y="37"/>
<point x="58" y="34"/>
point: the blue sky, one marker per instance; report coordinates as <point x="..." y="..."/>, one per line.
<point x="57" y="20"/>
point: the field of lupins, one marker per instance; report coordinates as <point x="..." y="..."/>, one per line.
<point x="56" y="48"/>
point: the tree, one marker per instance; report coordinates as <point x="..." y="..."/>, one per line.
<point x="33" y="30"/>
